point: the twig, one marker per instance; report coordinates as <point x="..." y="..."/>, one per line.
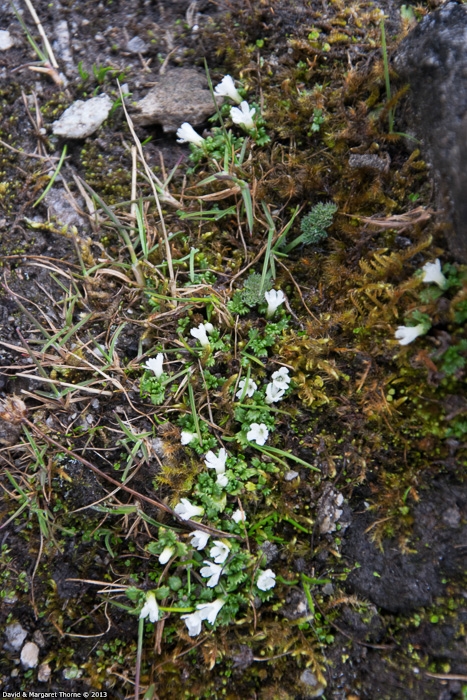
<point x="41" y="31"/>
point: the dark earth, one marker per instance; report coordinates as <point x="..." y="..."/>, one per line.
<point x="401" y="628"/>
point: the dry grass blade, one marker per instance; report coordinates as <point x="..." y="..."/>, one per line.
<point x="149" y="175"/>
<point x="40" y="28"/>
<point x="400" y="221"/>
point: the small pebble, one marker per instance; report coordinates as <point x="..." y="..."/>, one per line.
<point x="137" y="45"/>
<point x="44" y="672"/>
<point x="38" y="637"/>
<point x="6" y="42"/>
<point x="83" y="118"/>
<point x="314" y="688"/>
<point x="290" y="475"/>
<point x="15" y="635"/>
<point x="30" y="655"/>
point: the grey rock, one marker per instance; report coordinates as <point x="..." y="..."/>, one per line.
<point x="433" y="59"/>
<point x="83" y="118"/>
<point x="180" y="95"/>
<point x="6" y="40"/>
<point x="59" y="206"/>
<point x="270" y="551"/>
<point x="329" y="510"/>
<point x="137" y="45"/>
<point x="452" y="517"/>
<point x="314" y="689"/>
<point x="38" y="637"/>
<point x="295" y="605"/>
<point x="290" y="475"/>
<point x="370" y="162"/>
<point x="30" y="655"/>
<point x="63" y="46"/>
<point x="43" y="673"/>
<point x="15" y="635"/>
<point x="243" y="657"/>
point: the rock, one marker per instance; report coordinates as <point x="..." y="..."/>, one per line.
<point x="59" y="206"/>
<point x="62" y="45"/>
<point x="38" y="637"/>
<point x="30" y="655"/>
<point x="452" y="517"/>
<point x="15" y="635"/>
<point x="6" y="41"/>
<point x="243" y="657"/>
<point x="43" y="673"/>
<point x="83" y="118"/>
<point x="270" y="552"/>
<point x="433" y="59"/>
<point x="295" y="605"/>
<point x="329" y="510"/>
<point x="137" y="45"/>
<point x="370" y="162"/>
<point x="313" y="688"/>
<point x="290" y="475"/>
<point x="180" y="95"/>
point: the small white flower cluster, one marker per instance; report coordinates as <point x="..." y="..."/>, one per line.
<point x="154" y="364"/>
<point x="242" y="116"/>
<point x="276" y="389"/>
<point x="258" y="433"/>
<point x="150" y="608"/>
<point x="204" y="611"/>
<point x="217" y="463"/>
<point x="431" y="272"/>
<point x="201" y="332"/>
<point x="213" y="570"/>
<point x="249" y="390"/>
<point x="275" y="297"/>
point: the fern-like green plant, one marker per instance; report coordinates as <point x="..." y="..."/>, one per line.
<point x="313" y="226"/>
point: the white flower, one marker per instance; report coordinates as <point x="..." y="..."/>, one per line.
<point x="154" y="364"/>
<point x="217" y="463"/>
<point x="432" y="273"/>
<point x="274" y="393"/>
<point x="258" y="433"/>
<point x="250" y="390"/>
<point x="186" y="133"/>
<point x="199" y="539"/>
<point x="201" y="332"/>
<point x="209" y="611"/>
<point x="193" y="622"/>
<point x="186" y="510"/>
<point x="222" y="480"/>
<point x="266" y="580"/>
<point x="186" y="437"/>
<point x="166" y="554"/>
<point x="275" y="297"/>
<point x="407" y="334"/>
<point x="212" y="570"/>
<point x="238" y="516"/>
<point x="243" y="116"/>
<point x="150" y="608"/>
<point x="226" y="88"/>
<point x="281" y="378"/>
<point x="219" y="552"/>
